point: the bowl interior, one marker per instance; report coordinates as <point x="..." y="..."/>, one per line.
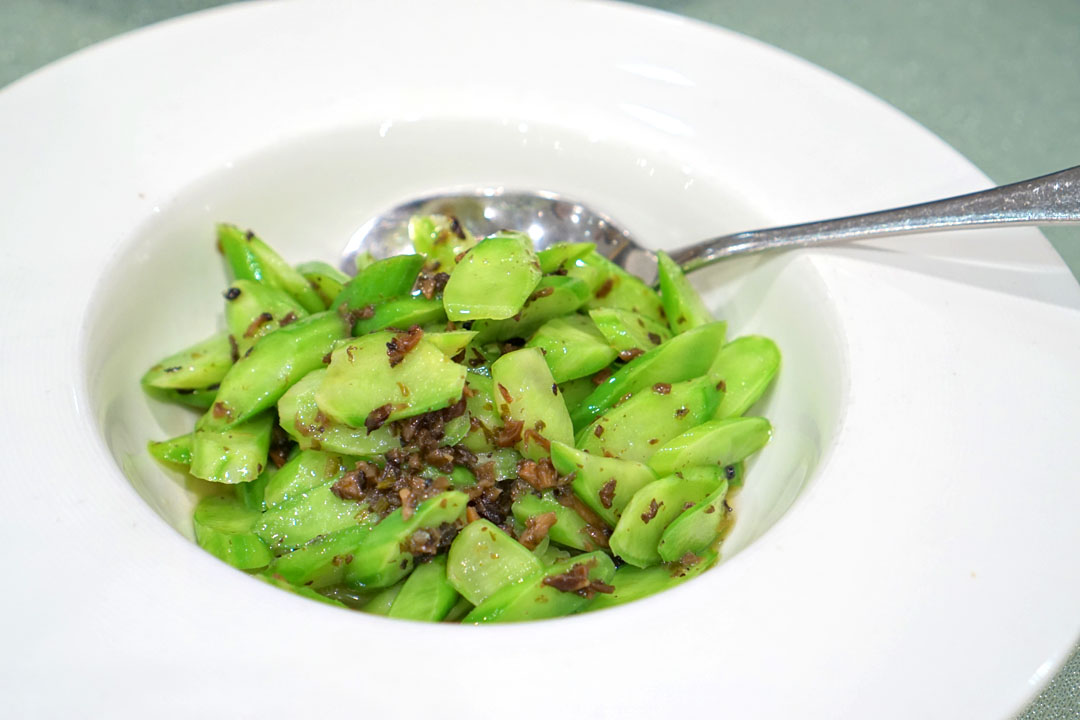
<point x="306" y="195"/>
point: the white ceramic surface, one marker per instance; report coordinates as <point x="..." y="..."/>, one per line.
<point x="924" y="450"/>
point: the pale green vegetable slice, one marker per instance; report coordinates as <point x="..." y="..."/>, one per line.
<point x="524" y="386"/>
<point x="224" y="528"/>
<point x="573" y="347"/>
<point x="199" y="366"/>
<point x="717" y="442"/>
<point x="604" y="484"/>
<point x="570" y="529"/>
<point x="361" y="380"/>
<point x="252" y="259"/>
<point x="426" y="594"/>
<point x="441" y="238"/>
<point x="637" y="428"/>
<point x="555" y="296"/>
<point x="636" y="537"/>
<point x="625" y="330"/>
<point x="634" y="583"/>
<point x="235" y="455"/>
<point x="253" y="310"/>
<point x="683" y="306"/>
<point x="493" y="280"/>
<point x="483" y="559"/>
<point x="746" y="366"/>
<point x="300" y="416"/>
<point x="698" y="529"/>
<point x="311" y="513"/>
<point x="305" y="470"/>
<point x="322" y="561"/>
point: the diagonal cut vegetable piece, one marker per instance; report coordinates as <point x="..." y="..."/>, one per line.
<point x="683" y="306"/>
<point x="634" y="583"/>
<point x="573" y="347"/>
<point x="232" y="455"/>
<point x="483" y="558"/>
<point x="253" y="310"/>
<point x="637" y="428"/>
<point x="203" y="364"/>
<point x="427" y="594"/>
<point x="604" y="484"/>
<point x="441" y="238"/>
<point x="493" y="280"/>
<point x="554" y="296"/>
<point x="717" y="442"/>
<point x="223" y="527"/>
<point x="525" y="392"/>
<point x="380" y="281"/>
<point x="627" y="330"/>
<point x="683" y="357"/>
<point x="746" y="366"/>
<point x="637" y="535"/>
<point x="698" y="529"/>
<point x="365" y="387"/>
<point x="252" y="259"/>
<point x="300" y="416"/>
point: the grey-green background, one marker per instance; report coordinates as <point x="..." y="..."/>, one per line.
<point x="999" y="80"/>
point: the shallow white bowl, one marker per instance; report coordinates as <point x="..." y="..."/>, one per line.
<point x="902" y="546"/>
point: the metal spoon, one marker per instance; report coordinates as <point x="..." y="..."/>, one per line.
<point x="548" y="218"/>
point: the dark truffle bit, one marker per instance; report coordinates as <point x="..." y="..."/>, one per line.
<point x="536" y="529"/>
<point x="400" y="345"/>
<point x="576" y="580"/>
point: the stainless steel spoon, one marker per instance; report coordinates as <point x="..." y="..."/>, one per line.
<point x="548" y="218"/>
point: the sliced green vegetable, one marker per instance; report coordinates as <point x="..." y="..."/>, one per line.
<point x="381" y="602"/>
<point x="604" y="484"/>
<point x="316" y="511"/>
<point x="570" y="529"/>
<point x="483" y="559"/>
<point x="305" y="470"/>
<point x="573" y="347"/>
<point x="426" y="594"/>
<point x="441" y="238"/>
<point x="493" y="280"/>
<point x="361" y="380"/>
<point x="322" y="561"/>
<point x="698" y="529"/>
<point x="380" y="281"/>
<point x="283" y="584"/>
<point x="625" y="330"/>
<point x="223" y="527"/>
<point x="746" y="366"/>
<point x="637" y="535"/>
<point x="683" y="357"/>
<point x="301" y="417"/>
<point x="199" y="366"/>
<point x="256" y="382"/>
<point x="640" y="426"/>
<point x="253" y="310"/>
<point x="554" y="297"/>
<point x="535" y="599"/>
<point x="556" y="256"/>
<point x="614" y="287"/>
<point x="384" y="558"/>
<point x="683" y="306"/>
<point x="175" y="451"/>
<point x="325" y="279"/>
<point x="402" y="313"/>
<point x="717" y="442"/>
<point x="634" y="583"/>
<point x="235" y="455"/>
<point x="451" y="343"/>
<point x="524" y="386"/>
<point x="252" y="259"/>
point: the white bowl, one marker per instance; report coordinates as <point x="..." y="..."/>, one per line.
<point x="902" y="545"/>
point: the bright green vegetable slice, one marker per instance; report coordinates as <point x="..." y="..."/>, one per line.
<point x="380" y="281"/>
<point x="493" y="280"/>
<point x="174" y="451"/>
<point x="746" y="366"/>
<point x="634" y="583"/>
<point x="325" y="279"/>
<point x="441" y="238"/>
<point x="384" y="557"/>
<point x="483" y="559"/>
<point x="554" y="297"/>
<point x="314" y="512"/>
<point x="625" y="330"/>
<point x="362" y="379"/>
<point x="322" y="561"/>
<point x="426" y="594"/>
<point x="524" y="386"/>
<point x="253" y="310"/>
<point x="637" y="535"/>
<point x="573" y="347"/>
<point x="570" y="529"/>
<point x="640" y="426"/>
<point x="381" y="602"/>
<point x="199" y="366"/>
<point x="556" y="256"/>
<point x="252" y="259"/>
<point x="697" y="529"/>
<point x="604" y="484"/>
<point x="535" y="599"/>
<point x="683" y="306"/>
<point x="614" y="287"/>
<point x="223" y="527"/>
<point x="234" y="455"/>
<point x="451" y="343"/>
<point x="301" y="417"/>
<point x="683" y="357"/>
<point x="401" y="313"/>
<point x="256" y="382"/>
<point x="283" y="584"/>
<point x="717" y="442"/>
<point x="305" y="470"/>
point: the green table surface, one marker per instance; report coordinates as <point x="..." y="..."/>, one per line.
<point x="999" y="80"/>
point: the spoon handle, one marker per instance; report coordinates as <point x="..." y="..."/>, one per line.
<point x="1047" y="200"/>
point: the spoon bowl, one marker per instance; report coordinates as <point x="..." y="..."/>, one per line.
<point x="549" y="218"/>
